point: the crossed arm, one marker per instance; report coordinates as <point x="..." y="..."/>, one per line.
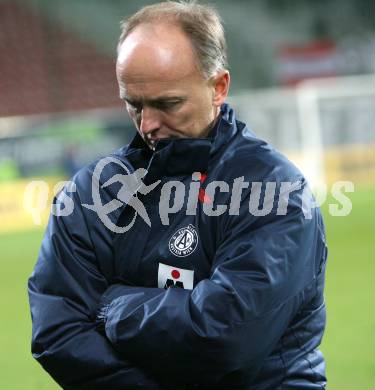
<point x="220" y="331"/>
<point x="224" y="328"/>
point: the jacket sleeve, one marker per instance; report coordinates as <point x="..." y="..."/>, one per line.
<point x="264" y="270"/>
<point x="64" y="291"/>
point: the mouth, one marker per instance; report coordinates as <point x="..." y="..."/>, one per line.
<point x="152" y="139"/>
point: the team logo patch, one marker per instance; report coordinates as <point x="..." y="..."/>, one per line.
<point x="175" y="277"/>
<point x="184" y="241"/>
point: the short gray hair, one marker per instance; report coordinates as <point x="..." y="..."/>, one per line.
<point x="201" y="23"/>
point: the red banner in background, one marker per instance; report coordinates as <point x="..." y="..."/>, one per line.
<point x="315" y="59"/>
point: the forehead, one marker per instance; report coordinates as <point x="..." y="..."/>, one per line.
<point x="156" y="56"/>
<point x="160" y="89"/>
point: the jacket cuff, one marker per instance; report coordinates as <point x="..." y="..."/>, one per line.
<point x="111" y="293"/>
<point x="103" y="307"/>
<point x="101" y="317"/>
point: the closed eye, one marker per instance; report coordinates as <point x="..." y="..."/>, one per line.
<point x="162" y="105"/>
<point x="167" y="105"/>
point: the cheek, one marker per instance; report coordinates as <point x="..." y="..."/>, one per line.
<point x="178" y="121"/>
<point x="192" y="118"/>
<point x="183" y="118"/>
<point x="190" y="122"/>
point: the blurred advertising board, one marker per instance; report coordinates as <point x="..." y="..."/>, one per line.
<point x="25" y="204"/>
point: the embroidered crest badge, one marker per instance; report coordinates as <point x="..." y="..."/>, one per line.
<point x="184" y="242"/>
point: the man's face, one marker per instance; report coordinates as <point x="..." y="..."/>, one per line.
<point x="165" y="94"/>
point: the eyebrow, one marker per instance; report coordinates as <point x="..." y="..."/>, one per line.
<point x="153" y="102"/>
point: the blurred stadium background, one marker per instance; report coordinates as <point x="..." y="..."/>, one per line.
<point x="303" y="77"/>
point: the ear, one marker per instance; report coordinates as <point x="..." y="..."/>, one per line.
<point x="220" y="83"/>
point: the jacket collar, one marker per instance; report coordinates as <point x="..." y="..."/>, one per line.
<point x="182" y="155"/>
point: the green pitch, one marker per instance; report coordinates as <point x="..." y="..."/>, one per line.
<point x="349" y="342"/>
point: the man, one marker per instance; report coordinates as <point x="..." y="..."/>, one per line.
<point x="204" y="269"/>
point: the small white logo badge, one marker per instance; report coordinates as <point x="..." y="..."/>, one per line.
<point x="175" y="277"/>
<point x="184" y="241"/>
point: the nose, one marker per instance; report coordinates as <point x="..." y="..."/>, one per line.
<point x="149" y="120"/>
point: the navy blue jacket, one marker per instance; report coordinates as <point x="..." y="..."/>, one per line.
<point x="227" y="301"/>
